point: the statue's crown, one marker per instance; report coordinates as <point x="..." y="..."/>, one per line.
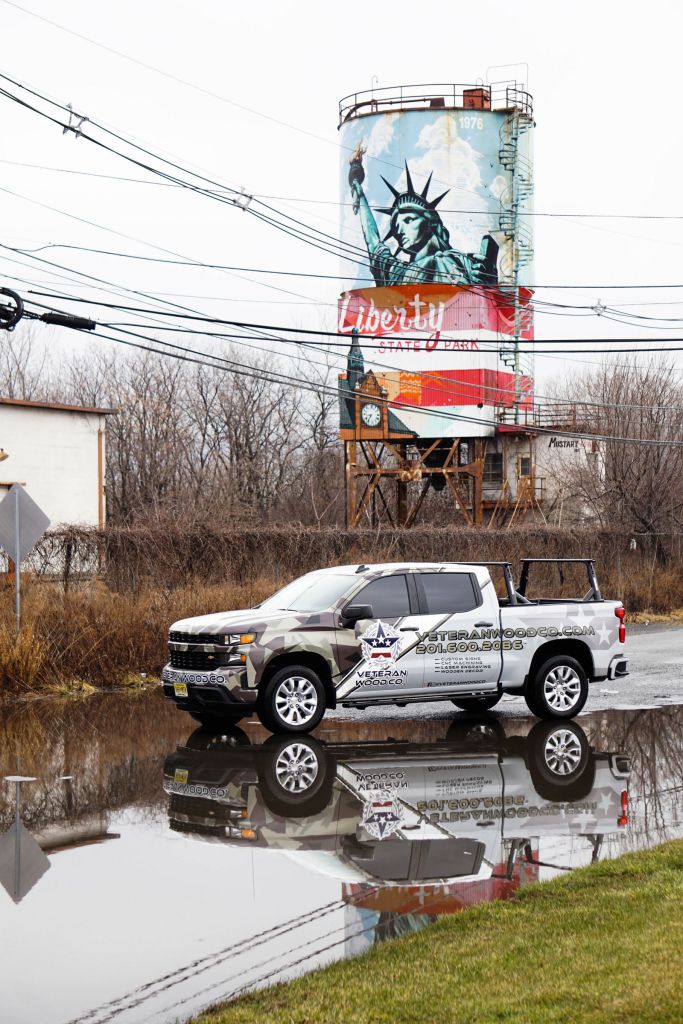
<point x="410" y="199"/>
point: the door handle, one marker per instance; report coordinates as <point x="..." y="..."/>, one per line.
<point x="408" y="629"/>
<point x="479" y="625"/>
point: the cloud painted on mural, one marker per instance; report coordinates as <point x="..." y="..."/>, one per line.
<point x="460" y="149"/>
<point x="381" y="136"/>
<point x="455" y="164"/>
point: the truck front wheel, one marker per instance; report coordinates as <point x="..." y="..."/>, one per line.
<point x="293" y="700"/>
<point x="559" y="688"/>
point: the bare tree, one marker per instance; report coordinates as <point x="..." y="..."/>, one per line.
<point x="23" y="364"/>
<point x="633" y="485"/>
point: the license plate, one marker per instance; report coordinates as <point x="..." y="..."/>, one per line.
<point x="180" y="775"/>
<point x="180" y="689"/>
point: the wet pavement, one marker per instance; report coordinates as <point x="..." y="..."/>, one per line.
<point x="149" y="869"/>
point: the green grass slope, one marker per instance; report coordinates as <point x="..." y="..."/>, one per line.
<point x="602" y="944"/>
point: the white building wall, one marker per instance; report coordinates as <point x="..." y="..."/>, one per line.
<point x="559" y="459"/>
<point x="54" y="454"/>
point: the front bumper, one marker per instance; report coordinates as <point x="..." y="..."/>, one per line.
<point x="221" y="687"/>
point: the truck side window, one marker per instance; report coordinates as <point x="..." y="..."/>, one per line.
<point x="448" y="592"/>
<point x="388" y="597"/>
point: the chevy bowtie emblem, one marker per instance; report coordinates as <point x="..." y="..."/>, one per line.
<point x="380" y="644"/>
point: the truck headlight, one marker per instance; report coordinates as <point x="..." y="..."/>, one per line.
<point x="239" y="638"/>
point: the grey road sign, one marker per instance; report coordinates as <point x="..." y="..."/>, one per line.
<point x="22" y="523"/>
<point x="22" y="862"/>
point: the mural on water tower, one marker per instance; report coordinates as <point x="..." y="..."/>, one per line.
<point x="426" y="200"/>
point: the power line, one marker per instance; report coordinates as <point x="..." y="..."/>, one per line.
<point x="329" y="277"/>
<point x="204" y="318"/>
<point x="339" y="248"/>
<point x="319" y="239"/>
<point x="346" y="204"/>
<point x="244" y="325"/>
<point x="296" y="228"/>
<point x="186" y="354"/>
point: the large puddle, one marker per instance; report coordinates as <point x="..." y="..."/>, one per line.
<point x="149" y="869"/>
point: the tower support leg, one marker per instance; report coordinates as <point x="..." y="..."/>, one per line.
<point x="478" y="482"/>
<point x="351" y="480"/>
<point x="401" y="492"/>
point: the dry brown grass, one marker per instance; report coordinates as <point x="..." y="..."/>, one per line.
<point x="100" y="637"/>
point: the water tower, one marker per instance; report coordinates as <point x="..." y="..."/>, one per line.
<point x="436" y="192"/>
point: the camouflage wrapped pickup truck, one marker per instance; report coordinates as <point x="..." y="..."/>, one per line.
<point x="361" y="635"/>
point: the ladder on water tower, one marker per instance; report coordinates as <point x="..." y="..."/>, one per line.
<point x="519" y="253"/>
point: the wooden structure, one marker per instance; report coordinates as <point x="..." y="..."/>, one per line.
<point x="381" y="463"/>
<point x="389" y="471"/>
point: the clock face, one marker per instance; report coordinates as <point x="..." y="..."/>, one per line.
<point x="371" y="415"/>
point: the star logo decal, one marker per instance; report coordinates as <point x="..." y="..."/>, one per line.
<point x="604" y="635"/>
<point x="382" y="815"/>
<point x="380" y="644"/>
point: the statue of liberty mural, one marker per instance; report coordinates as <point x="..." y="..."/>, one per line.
<point x="420" y="235"/>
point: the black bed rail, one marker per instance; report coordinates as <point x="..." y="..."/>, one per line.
<point x="526" y="563"/>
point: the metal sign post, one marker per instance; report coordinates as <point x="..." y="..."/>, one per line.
<point x="17" y="563"/>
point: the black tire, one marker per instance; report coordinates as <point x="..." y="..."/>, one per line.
<point x="296" y="775"/>
<point x="228" y="738"/>
<point x="565" y="680"/>
<point x="286" y="683"/>
<point x="482" y="733"/>
<point x="478" y="703"/>
<point x="561" y="763"/>
<point x="216" y="723"/>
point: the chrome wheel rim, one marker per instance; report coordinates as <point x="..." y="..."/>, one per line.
<point x="562" y="752"/>
<point x="296" y="700"/>
<point x="562" y="688"/>
<point x="296" y="768"/>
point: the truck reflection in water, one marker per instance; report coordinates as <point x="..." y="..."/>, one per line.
<point x="412" y="829"/>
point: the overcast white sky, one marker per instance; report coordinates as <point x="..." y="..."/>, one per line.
<point x="605" y="82"/>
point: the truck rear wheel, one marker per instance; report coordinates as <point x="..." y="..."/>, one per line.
<point x="559" y="689"/>
<point x="560" y="761"/>
<point x="293" y="700"/>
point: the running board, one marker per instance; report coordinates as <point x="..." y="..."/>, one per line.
<point x="366" y="702"/>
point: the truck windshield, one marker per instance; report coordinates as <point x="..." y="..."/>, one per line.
<point x="311" y="593"/>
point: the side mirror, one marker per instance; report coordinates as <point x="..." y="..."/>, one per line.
<point x="354" y="612"/>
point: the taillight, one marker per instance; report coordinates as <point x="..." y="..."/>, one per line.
<point x="623" y="818"/>
<point x="621" y="615"/>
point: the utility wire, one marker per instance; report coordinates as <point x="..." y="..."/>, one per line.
<point x="186" y="354"/>
<point x="203" y="318"/>
<point x="243" y="325"/>
<point x="345" y="204"/>
<point x="338" y="249"/>
<point x="330" y="277"/>
<point x="296" y="228"/>
<point x="431" y="376"/>
<point x="234" y="198"/>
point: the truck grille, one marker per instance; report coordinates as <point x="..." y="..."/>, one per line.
<point x="197" y="828"/>
<point x="176" y="637"/>
<point x="198" y="807"/>
<point x="195" y="659"/>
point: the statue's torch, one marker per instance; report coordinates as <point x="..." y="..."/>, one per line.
<point x="356" y="174"/>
